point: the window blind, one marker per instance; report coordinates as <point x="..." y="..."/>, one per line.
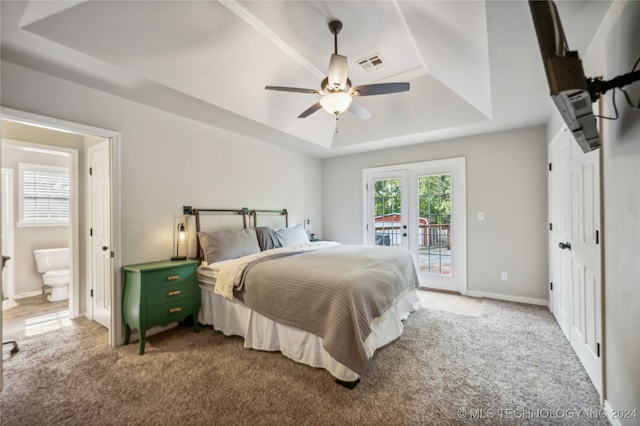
<point x="45" y="196"/>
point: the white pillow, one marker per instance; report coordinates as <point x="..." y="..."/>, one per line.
<point x="292" y="236"/>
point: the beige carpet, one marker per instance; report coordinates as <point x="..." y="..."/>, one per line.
<point x="509" y="365"/>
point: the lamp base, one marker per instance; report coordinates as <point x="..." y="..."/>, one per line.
<point x="178" y="257"/>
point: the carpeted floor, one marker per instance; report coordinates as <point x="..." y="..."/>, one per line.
<point x="510" y="365"/>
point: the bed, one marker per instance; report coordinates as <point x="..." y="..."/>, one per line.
<point x="321" y="303"/>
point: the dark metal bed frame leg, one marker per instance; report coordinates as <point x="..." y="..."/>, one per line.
<point x="348" y="385"/>
<point x="15" y="348"/>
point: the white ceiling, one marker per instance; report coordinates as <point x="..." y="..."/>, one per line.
<point x="473" y="66"/>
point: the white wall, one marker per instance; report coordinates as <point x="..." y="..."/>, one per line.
<point x="506" y="179"/>
<point x="169" y="161"/>
<point x="614" y="52"/>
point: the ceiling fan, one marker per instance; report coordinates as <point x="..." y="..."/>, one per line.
<point x="337" y="93"/>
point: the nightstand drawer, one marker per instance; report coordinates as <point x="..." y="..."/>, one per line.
<point x="169" y="276"/>
<point x="169" y="312"/>
<point x="168" y="294"/>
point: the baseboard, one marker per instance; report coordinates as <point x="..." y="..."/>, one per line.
<point x="28" y="294"/>
<point x="614" y="420"/>
<point x="8" y="304"/>
<point x="508" y="297"/>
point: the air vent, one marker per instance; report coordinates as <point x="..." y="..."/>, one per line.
<point x="372" y="62"/>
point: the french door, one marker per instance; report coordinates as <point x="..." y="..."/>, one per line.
<point x="421" y="207"/>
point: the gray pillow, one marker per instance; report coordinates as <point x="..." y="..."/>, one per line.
<point x="223" y="245"/>
<point x="292" y="236"/>
<point x="267" y="238"/>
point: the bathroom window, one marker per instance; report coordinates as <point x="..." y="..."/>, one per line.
<point x="44" y="195"/>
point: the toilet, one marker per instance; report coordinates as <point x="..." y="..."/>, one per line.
<point x="54" y="265"/>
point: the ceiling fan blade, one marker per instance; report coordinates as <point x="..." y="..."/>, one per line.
<point x="338" y="70"/>
<point x="359" y="111"/>
<point x="313" y="108"/>
<point x="379" y="89"/>
<point x="292" y="89"/>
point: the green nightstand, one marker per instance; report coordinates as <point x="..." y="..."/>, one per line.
<point x="159" y="293"/>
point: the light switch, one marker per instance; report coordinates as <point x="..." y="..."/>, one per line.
<point x="480" y="215"/>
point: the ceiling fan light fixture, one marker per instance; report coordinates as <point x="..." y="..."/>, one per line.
<point x="336" y="103"/>
<point x="336" y="90"/>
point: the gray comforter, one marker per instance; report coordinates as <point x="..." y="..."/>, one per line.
<point x="333" y="292"/>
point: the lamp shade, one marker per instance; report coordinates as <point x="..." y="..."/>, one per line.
<point x="336" y="103"/>
<point x="181" y="242"/>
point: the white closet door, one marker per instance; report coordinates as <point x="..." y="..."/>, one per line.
<point x="574" y="198"/>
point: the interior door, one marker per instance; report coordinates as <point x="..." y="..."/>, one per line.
<point x="2" y="227"/>
<point x="585" y="261"/>
<point x="100" y="247"/>
<point x="560" y="220"/>
<point x="8" y="285"/>
<point x="575" y="250"/>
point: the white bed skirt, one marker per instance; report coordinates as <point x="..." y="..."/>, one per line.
<point x="234" y="318"/>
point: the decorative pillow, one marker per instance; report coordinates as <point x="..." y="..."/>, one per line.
<point x="223" y="245"/>
<point x="267" y="238"/>
<point x="292" y="236"/>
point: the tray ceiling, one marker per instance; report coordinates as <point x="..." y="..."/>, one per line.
<point x="473" y="66"/>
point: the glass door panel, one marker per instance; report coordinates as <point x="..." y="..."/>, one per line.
<point x="387" y="214"/>
<point x="386" y="221"/>
<point x="434" y="224"/>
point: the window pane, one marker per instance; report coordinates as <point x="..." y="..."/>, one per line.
<point x="434" y="238"/>
<point x="387" y="212"/>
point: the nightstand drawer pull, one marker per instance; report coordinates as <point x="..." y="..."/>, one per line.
<point x="174" y="310"/>
<point x="173" y="293"/>
<point x="173" y="277"/>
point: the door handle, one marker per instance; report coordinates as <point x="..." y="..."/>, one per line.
<point x="105" y="248"/>
<point x="565" y="246"/>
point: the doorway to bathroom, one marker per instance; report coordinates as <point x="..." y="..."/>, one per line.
<point x="53" y="135"/>
<point x="39" y="191"/>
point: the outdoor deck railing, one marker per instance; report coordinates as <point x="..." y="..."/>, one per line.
<point x="430" y="236"/>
